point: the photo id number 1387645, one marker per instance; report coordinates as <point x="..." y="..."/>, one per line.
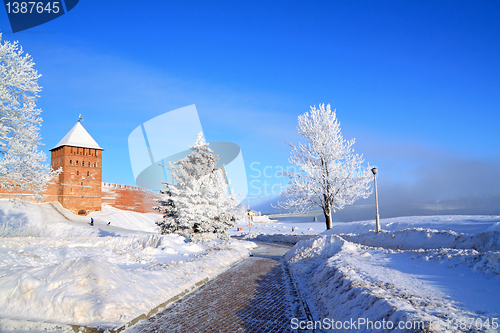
<point x="32" y="7"/>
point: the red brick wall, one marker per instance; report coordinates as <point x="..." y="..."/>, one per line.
<point x="119" y="196"/>
<point x="129" y="198"/>
<point x="79" y="189"/>
<point x="49" y="195"/>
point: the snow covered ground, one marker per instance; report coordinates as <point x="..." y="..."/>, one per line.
<point x="437" y="272"/>
<point x="56" y="270"/>
<point x="280" y="232"/>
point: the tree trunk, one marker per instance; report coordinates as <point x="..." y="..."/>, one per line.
<point x="328" y="218"/>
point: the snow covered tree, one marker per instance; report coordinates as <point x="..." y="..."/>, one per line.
<point x="21" y="164"/>
<point x="198" y="205"/>
<point x="330" y="175"/>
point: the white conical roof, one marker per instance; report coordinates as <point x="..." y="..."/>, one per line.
<point x="78" y="137"/>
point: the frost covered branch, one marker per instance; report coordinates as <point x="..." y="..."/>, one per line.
<point x="21" y="163"/>
<point x="331" y="176"/>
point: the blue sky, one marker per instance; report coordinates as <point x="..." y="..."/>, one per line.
<point x="417" y="83"/>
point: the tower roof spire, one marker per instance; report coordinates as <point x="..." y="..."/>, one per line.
<point x="78" y="137"/>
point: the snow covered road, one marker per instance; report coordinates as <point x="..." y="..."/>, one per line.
<point x="256" y="295"/>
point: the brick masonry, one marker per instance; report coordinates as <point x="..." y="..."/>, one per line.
<point x="131" y="198"/>
<point x="79" y="183"/>
<point x="119" y="196"/>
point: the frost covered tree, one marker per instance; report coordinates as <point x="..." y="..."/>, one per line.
<point x="330" y="175"/>
<point x="198" y="205"/>
<point x="21" y="163"/>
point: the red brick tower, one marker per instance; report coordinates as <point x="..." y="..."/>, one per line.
<point x="79" y="183"/>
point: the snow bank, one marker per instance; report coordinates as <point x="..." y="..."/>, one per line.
<point x="57" y="269"/>
<point x="419" y="238"/>
<point x="319" y="247"/>
<point x="98" y="283"/>
<point x="350" y="282"/>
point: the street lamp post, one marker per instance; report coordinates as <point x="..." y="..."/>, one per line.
<point x="249" y="218"/>
<point x="374" y="170"/>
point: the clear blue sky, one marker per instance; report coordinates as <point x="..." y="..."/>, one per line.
<point x="417" y="83"/>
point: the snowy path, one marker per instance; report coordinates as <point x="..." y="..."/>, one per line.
<point x="256" y="295"/>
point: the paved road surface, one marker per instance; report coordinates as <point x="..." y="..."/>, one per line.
<point x="256" y="295"/>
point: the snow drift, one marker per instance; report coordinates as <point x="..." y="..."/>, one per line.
<point x="421" y="279"/>
<point x="56" y="268"/>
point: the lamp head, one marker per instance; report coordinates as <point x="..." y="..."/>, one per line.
<point x="374" y="170"/>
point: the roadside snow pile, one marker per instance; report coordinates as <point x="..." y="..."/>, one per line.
<point x="103" y="281"/>
<point x="418" y="238"/>
<point x="434" y="289"/>
<point x="99" y="276"/>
